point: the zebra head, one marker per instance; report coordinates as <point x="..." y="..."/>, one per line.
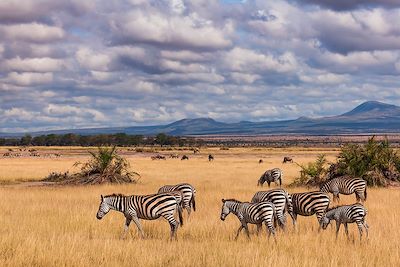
<point x="104" y="208"/>
<point x="261" y="181"/>
<point x="324" y="221"/>
<point x="225" y="210"/>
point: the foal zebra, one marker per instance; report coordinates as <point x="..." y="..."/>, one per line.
<point x="346" y="214"/>
<point x="188" y="193"/>
<point x="254" y="213"/>
<point x="310" y="203"/>
<point x="282" y="201"/>
<point x="346" y="186"/>
<point x="147" y="207"/>
<point x="273" y="175"/>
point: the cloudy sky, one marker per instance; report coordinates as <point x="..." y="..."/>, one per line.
<point x="80" y="64"/>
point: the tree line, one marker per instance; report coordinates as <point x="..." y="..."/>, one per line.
<point x="119" y="139"/>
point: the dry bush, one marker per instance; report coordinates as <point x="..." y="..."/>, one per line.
<point x="104" y="166"/>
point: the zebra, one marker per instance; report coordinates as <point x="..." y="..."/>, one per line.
<point x="273" y="175"/>
<point x="287" y="159"/>
<point x="147" y="207"/>
<point x="346" y="186"/>
<point x="254" y="213"/>
<point x="347" y="214"/>
<point x="282" y="201"/>
<point x="310" y="203"/>
<point x="188" y="192"/>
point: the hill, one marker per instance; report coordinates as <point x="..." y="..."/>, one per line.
<point x="368" y="118"/>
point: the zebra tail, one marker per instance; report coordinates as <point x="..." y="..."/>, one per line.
<point x="365" y="192"/>
<point x="193" y="202"/>
<point x="180" y="214"/>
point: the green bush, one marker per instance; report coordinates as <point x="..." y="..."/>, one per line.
<point x="374" y="161"/>
<point x="312" y="174"/>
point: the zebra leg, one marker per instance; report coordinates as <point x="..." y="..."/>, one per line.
<point x="346" y="229"/>
<point x="336" y="196"/>
<point x="246" y="228"/>
<point x="271" y="229"/>
<point x="269" y="183"/>
<point x="366" y="227"/>
<point x="360" y="230"/>
<point x="337" y="229"/>
<point x="126" y="227"/>
<point x="259" y="228"/>
<point x="172" y="223"/>
<point x="294" y="220"/>
<point x="188" y="209"/>
<point x="281" y="220"/>
<point x="174" y="227"/>
<point x="238" y="232"/>
<point x="139" y="226"/>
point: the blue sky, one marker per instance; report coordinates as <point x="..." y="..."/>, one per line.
<point x="80" y="64"/>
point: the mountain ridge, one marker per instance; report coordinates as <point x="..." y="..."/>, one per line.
<point x="368" y="117"/>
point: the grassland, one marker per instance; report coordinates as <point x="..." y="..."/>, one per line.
<point x="56" y="226"/>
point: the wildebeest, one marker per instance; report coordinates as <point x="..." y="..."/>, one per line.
<point x="158" y="156"/>
<point x="260" y="161"/>
<point x="174" y="156"/>
<point x="184" y="157"/>
<point x="210" y="157"/>
<point x="287" y="159"/>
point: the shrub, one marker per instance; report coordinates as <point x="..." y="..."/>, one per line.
<point x="312" y="174"/>
<point x="374" y="161"/>
<point x="105" y="166"/>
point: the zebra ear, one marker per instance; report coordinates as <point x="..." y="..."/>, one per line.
<point x="223" y="200"/>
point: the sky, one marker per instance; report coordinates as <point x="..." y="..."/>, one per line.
<point x="92" y="63"/>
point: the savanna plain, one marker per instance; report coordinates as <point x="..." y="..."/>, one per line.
<point x="57" y="225"/>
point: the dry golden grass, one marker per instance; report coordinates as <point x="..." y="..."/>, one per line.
<point x="56" y="226"/>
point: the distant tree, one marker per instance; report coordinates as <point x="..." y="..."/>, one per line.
<point x="161" y="139"/>
<point x="26" y="140"/>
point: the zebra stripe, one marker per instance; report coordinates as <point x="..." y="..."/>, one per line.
<point x="310" y="203"/>
<point x="253" y="213"/>
<point x="188" y="192"/>
<point x="346" y="186"/>
<point x="282" y="201"/>
<point x="273" y="175"/>
<point x="346" y="214"/>
<point x="147" y="207"/>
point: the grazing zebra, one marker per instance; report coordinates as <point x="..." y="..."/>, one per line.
<point x="310" y="203"/>
<point x="346" y="186"/>
<point x="287" y="159"/>
<point x="254" y="213"/>
<point x="210" y="157"/>
<point x="346" y="214"/>
<point x="273" y="175"/>
<point x="188" y="193"/>
<point x="147" y="207"/>
<point x="282" y="201"/>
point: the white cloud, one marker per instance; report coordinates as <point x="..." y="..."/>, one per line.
<point x="29" y="78"/>
<point x="32" y="32"/>
<point x="33" y="64"/>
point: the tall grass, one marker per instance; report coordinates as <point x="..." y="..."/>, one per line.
<point x="56" y="226"/>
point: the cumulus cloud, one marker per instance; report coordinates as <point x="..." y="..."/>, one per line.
<point x="79" y="64"/>
<point x="352" y="4"/>
<point x="32" y="32"/>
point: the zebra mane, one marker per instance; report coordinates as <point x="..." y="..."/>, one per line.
<point x="115" y="195"/>
<point x="332" y="208"/>
<point x="233" y="200"/>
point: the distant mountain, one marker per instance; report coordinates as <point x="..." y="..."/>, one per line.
<point x="369" y="117"/>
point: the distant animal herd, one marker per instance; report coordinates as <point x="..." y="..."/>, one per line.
<point x="266" y="207"/>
